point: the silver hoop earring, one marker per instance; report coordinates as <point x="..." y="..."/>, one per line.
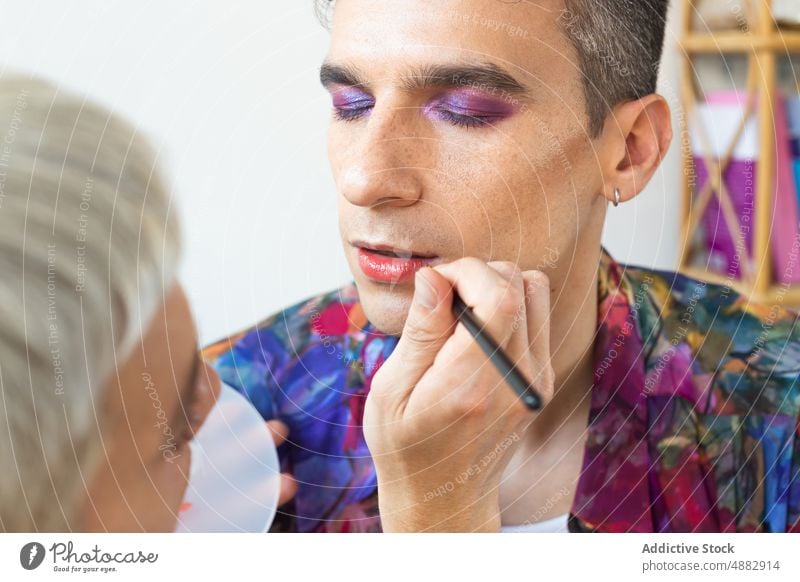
<point x="616" y="197"/>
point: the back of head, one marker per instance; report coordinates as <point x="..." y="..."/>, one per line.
<point x="87" y="252"/>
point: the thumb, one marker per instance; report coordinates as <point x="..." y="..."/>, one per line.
<point x="429" y="324"/>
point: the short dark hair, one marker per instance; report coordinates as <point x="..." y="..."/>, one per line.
<point x="619" y="45"/>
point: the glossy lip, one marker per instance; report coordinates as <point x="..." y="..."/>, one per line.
<point x="401" y="252"/>
<point x="390" y="269"/>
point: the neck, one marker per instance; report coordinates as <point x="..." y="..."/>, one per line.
<point x="573" y="325"/>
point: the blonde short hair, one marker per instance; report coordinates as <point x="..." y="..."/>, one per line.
<point x="88" y="250"/>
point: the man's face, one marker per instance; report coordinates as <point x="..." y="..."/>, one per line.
<point x="458" y="129"/>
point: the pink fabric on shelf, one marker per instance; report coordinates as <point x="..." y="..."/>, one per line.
<point x="740" y="179"/>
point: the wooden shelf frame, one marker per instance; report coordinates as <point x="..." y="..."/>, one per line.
<point x="761" y="43"/>
<point x="741" y="42"/>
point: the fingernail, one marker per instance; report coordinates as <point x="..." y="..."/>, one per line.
<point x="424" y="293"/>
<point x="539" y="278"/>
<point x="535" y="280"/>
<point x="504" y="270"/>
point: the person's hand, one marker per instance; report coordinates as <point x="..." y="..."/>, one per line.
<point x="440" y="421"/>
<point x="279" y="432"/>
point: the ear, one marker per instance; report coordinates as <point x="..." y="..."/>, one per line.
<point x="633" y="142"/>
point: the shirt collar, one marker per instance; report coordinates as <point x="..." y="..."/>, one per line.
<point x="614" y="489"/>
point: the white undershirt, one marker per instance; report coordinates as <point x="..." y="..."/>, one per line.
<point x="556" y="524"/>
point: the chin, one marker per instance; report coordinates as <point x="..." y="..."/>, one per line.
<point x="386" y="308"/>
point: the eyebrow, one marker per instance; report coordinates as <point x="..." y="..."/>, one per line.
<point x="485" y="76"/>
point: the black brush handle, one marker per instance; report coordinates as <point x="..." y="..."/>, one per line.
<point x="499" y="358"/>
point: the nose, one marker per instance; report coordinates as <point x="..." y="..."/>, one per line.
<point x="383" y="165"/>
<point x="208" y="394"/>
<point x="213" y="379"/>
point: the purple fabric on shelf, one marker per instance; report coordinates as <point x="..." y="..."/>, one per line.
<point x="739" y="179"/>
<point x="723" y="111"/>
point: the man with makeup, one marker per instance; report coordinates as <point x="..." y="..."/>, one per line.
<point x="470" y="159"/>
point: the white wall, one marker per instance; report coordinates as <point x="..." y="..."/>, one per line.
<point x="230" y="91"/>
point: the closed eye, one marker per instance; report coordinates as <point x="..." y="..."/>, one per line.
<point x="356" y="111"/>
<point x="466" y="120"/>
<point x="353" y="111"/>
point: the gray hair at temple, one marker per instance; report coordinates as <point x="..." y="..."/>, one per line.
<point x="619" y="45"/>
<point x="87" y="252"/>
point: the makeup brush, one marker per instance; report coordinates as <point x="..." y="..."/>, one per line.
<point x="498" y="357"/>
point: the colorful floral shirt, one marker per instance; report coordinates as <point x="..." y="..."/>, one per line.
<point x="694" y="408"/>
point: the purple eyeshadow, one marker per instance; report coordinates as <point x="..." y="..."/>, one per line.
<point x="470" y="102"/>
<point x="348" y="97"/>
<point x="466" y="107"/>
